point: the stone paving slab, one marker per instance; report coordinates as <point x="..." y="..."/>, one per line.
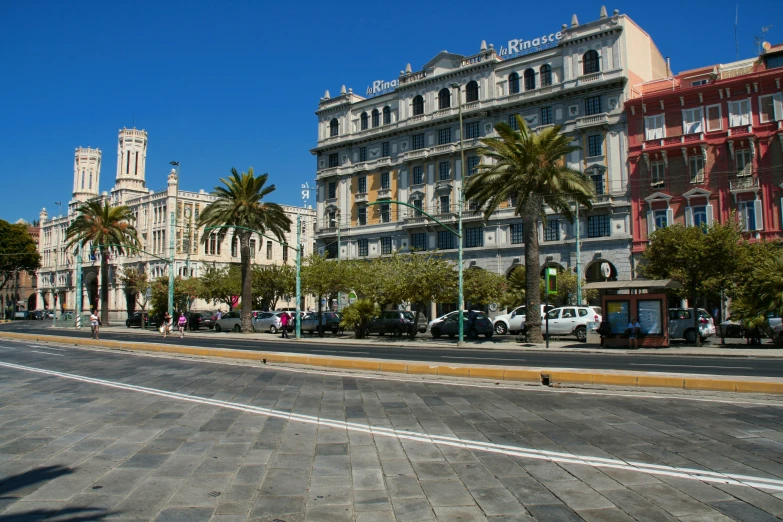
<point x="360" y="448"/>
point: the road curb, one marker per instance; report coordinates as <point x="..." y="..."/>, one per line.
<point x="550" y="376"/>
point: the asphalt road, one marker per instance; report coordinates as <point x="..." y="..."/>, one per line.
<point x="735" y="366"/>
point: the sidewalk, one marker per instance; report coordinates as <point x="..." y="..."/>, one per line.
<point x="733" y="348"/>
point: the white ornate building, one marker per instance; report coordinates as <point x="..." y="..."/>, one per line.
<point x="402" y="142"/>
<point x="57" y="275"/>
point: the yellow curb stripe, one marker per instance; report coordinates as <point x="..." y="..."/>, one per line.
<point x="556" y="376"/>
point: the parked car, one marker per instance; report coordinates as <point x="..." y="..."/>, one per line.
<point x="681" y="324"/>
<point x="267" y="322"/>
<point x="571" y="320"/>
<point x="231" y="321"/>
<point x="37" y="315"/>
<point x="397" y="323"/>
<point x="22" y="314"/>
<point x="136" y="317"/>
<point x="329" y="320"/>
<point x="449" y="325"/>
<point x="514" y="321"/>
<point x="48" y="314"/>
<point x="778" y="331"/>
<point x="202" y="319"/>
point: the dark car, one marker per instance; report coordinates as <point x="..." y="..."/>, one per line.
<point x="135" y="320"/>
<point x="397" y="323"/>
<point x="202" y="319"/>
<point x="450" y="325"/>
<point x="329" y="320"/>
<point x="37" y="315"/>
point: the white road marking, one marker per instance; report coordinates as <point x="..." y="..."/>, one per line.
<point x="692" y="366"/>
<point x="487" y="359"/>
<point x="325" y="351"/>
<point x="516" y="451"/>
<point x="48" y="353"/>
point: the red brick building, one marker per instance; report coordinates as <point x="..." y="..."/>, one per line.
<point x="706" y="143"/>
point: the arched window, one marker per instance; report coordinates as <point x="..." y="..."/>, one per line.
<point x="530" y="80"/>
<point x="471" y="92"/>
<point x="444" y="99"/>
<point x="590" y="63"/>
<point x="546" y="75"/>
<point x="364" y="121"/>
<point x="334" y="127"/>
<point x="376" y="118"/>
<point x="513" y="83"/>
<point x="386" y="115"/>
<point x="418" y="105"/>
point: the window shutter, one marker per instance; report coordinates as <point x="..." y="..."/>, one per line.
<point x="650" y="223"/>
<point x="688" y="217"/>
<point x="759" y="215"/>
<point x="778" y="106"/>
<point x="709" y="215"/>
<point x="669" y="217"/>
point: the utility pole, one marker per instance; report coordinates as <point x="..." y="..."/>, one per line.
<point x="460" y="204"/>
<point x="578" y="260"/>
<point x="172" y="242"/>
<point x="298" y="275"/>
<point x="79" y="287"/>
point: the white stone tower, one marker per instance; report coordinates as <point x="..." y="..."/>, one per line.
<point x="131" y="160"/>
<point x="86" y="173"/>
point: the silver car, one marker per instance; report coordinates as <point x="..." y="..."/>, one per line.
<point x="681" y="324"/>
<point x="231" y="321"/>
<point x="267" y="322"/>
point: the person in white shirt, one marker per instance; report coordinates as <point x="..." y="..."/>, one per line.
<point x="634" y="328"/>
<point x="95" y="324"/>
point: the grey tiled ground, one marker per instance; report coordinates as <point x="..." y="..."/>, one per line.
<point x="82" y="451"/>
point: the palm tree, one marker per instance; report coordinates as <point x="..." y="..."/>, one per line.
<point x="103" y="225"/>
<point x="528" y="168"/>
<point x="239" y="204"/>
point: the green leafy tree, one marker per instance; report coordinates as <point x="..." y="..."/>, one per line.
<point x="240" y="204"/>
<point x="357" y="316"/>
<point x="516" y="286"/>
<point x="272" y="282"/>
<point x="185" y="290"/>
<point x="324" y="278"/>
<point x="101" y="225"/>
<point x="566" y="290"/>
<point x="136" y="282"/>
<point x="529" y="168"/>
<point x="482" y="286"/>
<point x="704" y="259"/>
<point x="221" y="285"/>
<point x="18" y="251"/>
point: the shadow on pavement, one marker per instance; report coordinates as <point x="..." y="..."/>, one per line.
<point x="71" y="514"/>
<point x="34" y="476"/>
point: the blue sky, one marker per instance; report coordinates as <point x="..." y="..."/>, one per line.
<point x="235" y="84"/>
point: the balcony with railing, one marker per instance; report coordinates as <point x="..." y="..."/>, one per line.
<point x="384" y="194"/>
<point x="360" y="197"/>
<point x="739" y="130"/>
<point x="592" y="120"/>
<point x="744" y="184"/>
<point x="589" y="78"/>
<point x="673" y="141"/>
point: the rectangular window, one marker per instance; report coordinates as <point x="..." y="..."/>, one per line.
<point x="546" y="115"/>
<point x="517" y="233"/>
<point x="235" y="247"/>
<point x="364" y="249"/>
<point x="691" y="121"/>
<point x="419" y="241"/>
<point x="362" y="153"/>
<point x="443" y="170"/>
<point x="474" y="237"/>
<point x="333" y="160"/>
<point x="770" y="108"/>
<point x="362" y="185"/>
<point x="252" y="249"/>
<point x="445" y="204"/>
<point x="444" y="136"/>
<point x="418" y="175"/>
<point x="385" y="213"/>
<point x="384" y="181"/>
<point x="598" y="226"/>
<point x="750" y="215"/>
<point x="714" y="119"/>
<point x="653" y="127"/>
<point x="385" y="149"/>
<point x="661" y="218"/>
<point x="269" y="250"/>
<point x="386" y="245"/>
<point x="445" y="240"/>
<point x="595" y="145"/>
<point x="361" y="216"/>
<point x="696" y="168"/>
<point x="739" y="113"/>
<point x="658" y="173"/>
<point x="592" y="105"/>
<point x="699" y="82"/>
<point x="597" y="177"/>
<point x="512" y="122"/>
<point x="471" y="130"/>
<point x="418" y="205"/>
<point x="285" y="254"/>
<point x="332" y="190"/>
<point x="699" y="216"/>
<point x="744" y="160"/>
<point x="332" y="219"/>
<point x="331" y="250"/>
<point x="473" y="162"/>
<point x="552" y="230"/>
<point x="418" y="141"/>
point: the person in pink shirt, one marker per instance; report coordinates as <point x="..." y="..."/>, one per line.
<point x="284" y="320"/>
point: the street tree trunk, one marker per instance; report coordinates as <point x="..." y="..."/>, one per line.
<point x="247" y="284"/>
<point x="692" y="303"/>
<point x="532" y="271"/>
<point x="104" y="288"/>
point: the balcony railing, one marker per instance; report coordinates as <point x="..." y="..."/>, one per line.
<point x="592" y="120"/>
<point x="741" y="129"/>
<point x="744" y="184"/>
<point x="673" y="140"/>
<point x="360" y="197"/>
<point x="384" y="194"/>
<point x="594" y="77"/>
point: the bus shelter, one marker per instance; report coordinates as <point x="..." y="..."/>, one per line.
<point x="642" y="299"/>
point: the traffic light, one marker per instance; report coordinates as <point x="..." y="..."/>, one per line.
<point x="551" y="280"/>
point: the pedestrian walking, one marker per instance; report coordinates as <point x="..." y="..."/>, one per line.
<point x="472" y="324"/>
<point x="181" y="323"/>
<point x="634" y="329"/>
<point x="95" y="324"/>
<point x="284" y="324"/>
<point x="166" y="328"/>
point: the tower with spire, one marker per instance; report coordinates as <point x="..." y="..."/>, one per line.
<point x="86" y="173"/>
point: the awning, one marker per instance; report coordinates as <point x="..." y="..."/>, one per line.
<point x="635" y="284"/>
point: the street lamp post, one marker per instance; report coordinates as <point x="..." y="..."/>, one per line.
<point x="172" y="241"/>
<point x="78" y="287"/>
<point x="56" y="265"/>
<point x="460" y="304"/>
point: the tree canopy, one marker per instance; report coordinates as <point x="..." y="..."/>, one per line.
<point x="18" y="251"/>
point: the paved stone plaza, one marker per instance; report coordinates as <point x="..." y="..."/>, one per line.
<point x="93" y="435"/>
